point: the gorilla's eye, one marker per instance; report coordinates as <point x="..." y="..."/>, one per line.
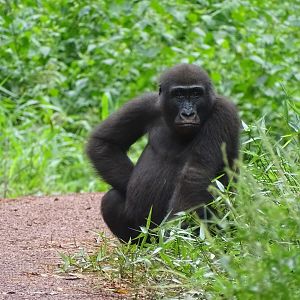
<point x="178" y="94"/>
<point x="197" y="92"/>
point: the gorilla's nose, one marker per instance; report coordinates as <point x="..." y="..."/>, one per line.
<point x="188" y="114"/>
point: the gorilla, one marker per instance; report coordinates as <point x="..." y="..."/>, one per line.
<point x="187" y="123"/>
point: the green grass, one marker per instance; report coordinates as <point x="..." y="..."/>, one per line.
<point x="66" y="65"/>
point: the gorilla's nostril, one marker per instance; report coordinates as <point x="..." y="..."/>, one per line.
<point x="187" y="114"/>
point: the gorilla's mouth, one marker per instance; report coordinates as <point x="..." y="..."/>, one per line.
<point x="187" y="124"/>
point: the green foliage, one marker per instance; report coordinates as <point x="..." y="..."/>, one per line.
<point x="65" y="65"/>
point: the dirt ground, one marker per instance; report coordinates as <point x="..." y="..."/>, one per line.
<point x="33" y="231"/>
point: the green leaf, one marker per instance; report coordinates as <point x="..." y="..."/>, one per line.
<point x="104" y="105"/>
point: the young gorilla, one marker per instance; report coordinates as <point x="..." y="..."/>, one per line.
<point x="186" y="123"/>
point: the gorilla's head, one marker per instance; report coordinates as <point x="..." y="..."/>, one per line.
<point x="186" y="98"/>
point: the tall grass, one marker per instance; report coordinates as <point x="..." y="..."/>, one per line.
<point x="40" y="150"/>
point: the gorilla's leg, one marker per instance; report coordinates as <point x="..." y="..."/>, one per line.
<point x="113" y="212"/>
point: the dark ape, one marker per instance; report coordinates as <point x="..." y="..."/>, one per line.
<point x="186" y="123"/>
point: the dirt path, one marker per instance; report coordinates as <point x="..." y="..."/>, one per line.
<point x="33" y="231"/>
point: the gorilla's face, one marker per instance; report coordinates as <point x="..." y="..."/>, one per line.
<point x="185" y="107"/>
<point x="186" y="98"/>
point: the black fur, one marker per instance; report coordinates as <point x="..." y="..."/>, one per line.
<point x="186" y="123"/>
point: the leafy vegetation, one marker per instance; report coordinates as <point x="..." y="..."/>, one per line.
<point x="65" y="65"/>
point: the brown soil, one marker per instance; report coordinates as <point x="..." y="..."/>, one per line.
<point x="33" y="230"/>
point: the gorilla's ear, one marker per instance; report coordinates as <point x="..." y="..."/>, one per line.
<point x="159" y="90"/>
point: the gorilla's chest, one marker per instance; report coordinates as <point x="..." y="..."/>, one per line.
<point x="156" y="174"/>
<point x="151" y="185"/>
<point x="167" y="147"/>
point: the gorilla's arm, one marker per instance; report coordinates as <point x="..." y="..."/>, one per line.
<point x="110" y="141"/>
<point x="222" y="126"/>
